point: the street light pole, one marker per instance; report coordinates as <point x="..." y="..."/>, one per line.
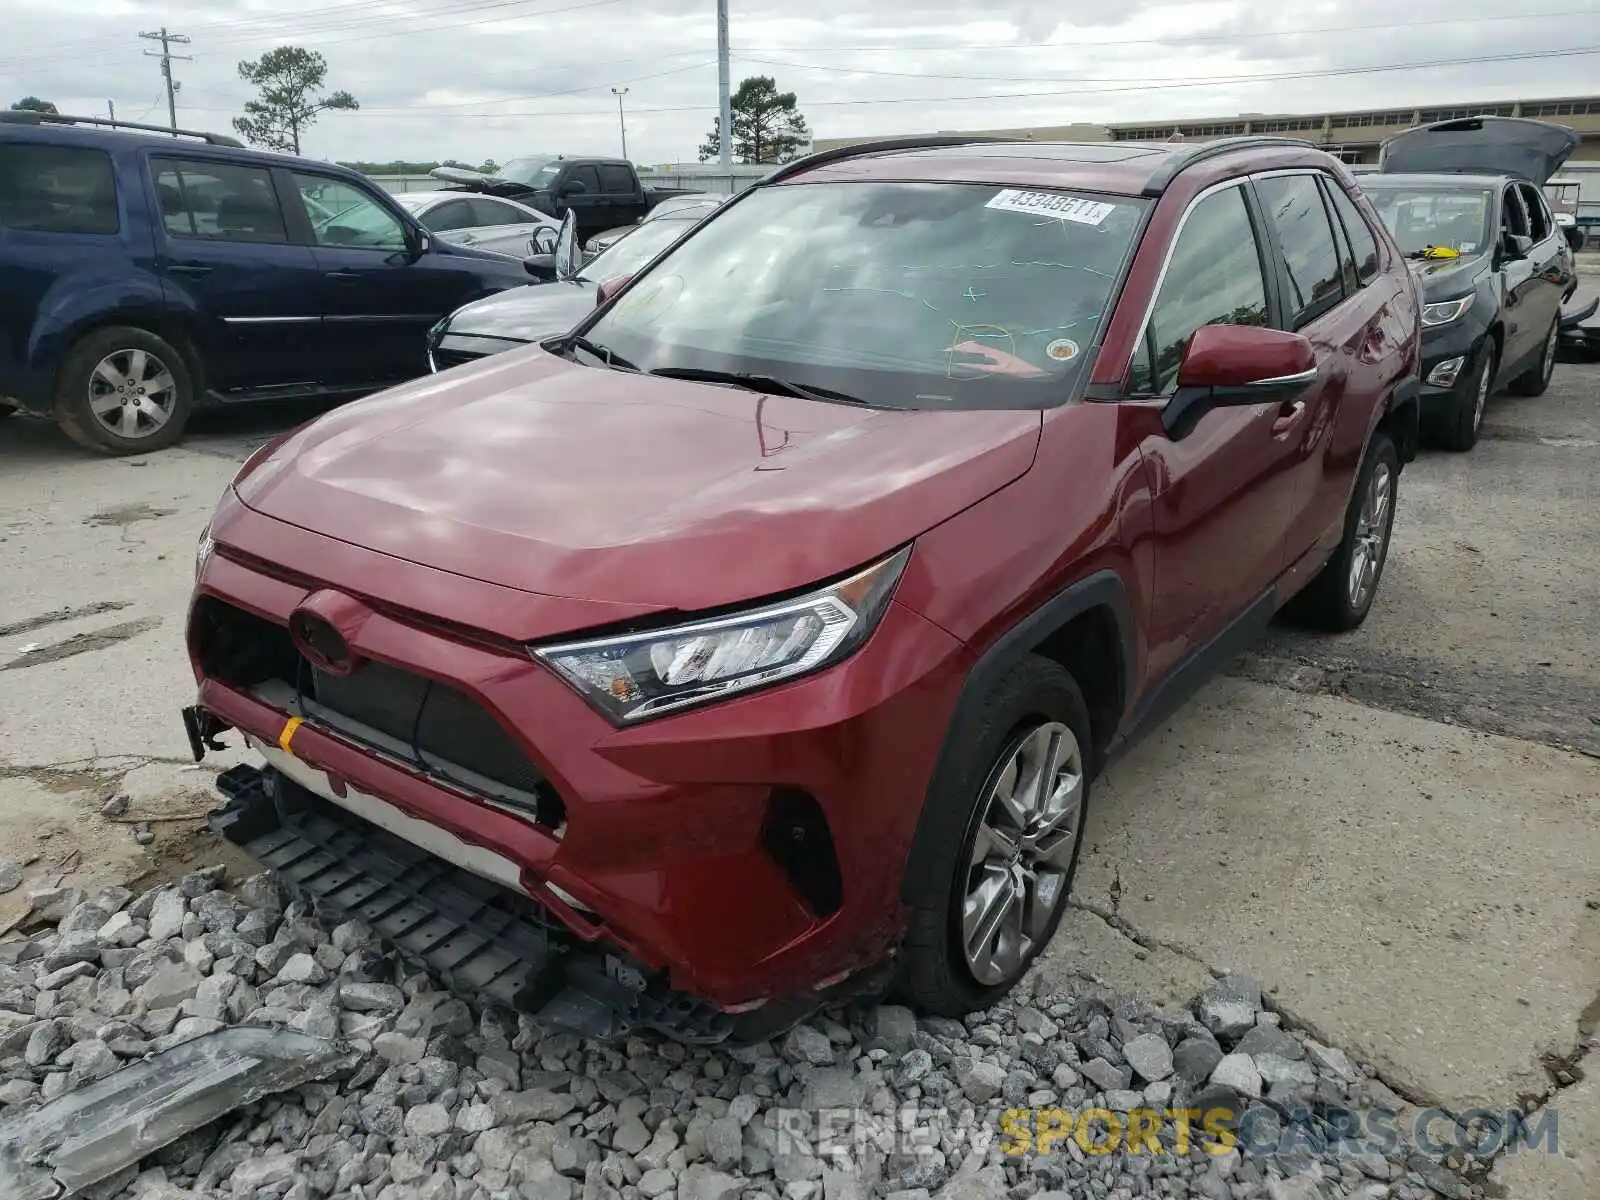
<point x="619" y="93"/>
<point x="725" y="116"/>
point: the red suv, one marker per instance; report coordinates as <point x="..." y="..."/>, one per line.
<point x="757" y="642"/>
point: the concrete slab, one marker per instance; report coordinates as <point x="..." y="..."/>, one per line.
<point x="1413" y="891"/>
<point x="1573" y="1172"/>
<point x="1086" y="947"/>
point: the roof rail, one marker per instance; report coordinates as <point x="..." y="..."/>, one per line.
<point x="1184" y="158"/>
<point x="840" y="153"/>
<point x="29" y="117"/>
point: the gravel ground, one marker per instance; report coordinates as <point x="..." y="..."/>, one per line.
<point x="448" y="1102"/>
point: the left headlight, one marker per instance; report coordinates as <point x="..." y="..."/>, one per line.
<point x="1444" y="311"/>
<point x="635" y="676"/>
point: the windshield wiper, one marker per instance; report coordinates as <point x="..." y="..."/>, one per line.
<point x="604" y="353"/>
<point x="756" y="382"/>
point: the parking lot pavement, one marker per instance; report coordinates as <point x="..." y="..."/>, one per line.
<point x="1395" y="830"/>
<point x="98" y="556"/>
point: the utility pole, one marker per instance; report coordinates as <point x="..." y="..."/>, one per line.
<point x="725" y="116"/>
<point x="619" y="93"/>
<point x="166" y="56"/>
<point x="111" y="107"/>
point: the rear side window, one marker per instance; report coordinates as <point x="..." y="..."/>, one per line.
<point x="57" y="189"/>
<point x="615" y="178"/>
<point x="1295" y="210"/>
<point x="218" y="201"/>
<point x="1357" y="231"/>
<point x="1213" y="278"/>
<point x="1538" y="219"/>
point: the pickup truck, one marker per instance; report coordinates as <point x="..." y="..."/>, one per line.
<point x="601" y="192"/>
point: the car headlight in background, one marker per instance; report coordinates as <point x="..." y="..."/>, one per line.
<point x="1443" y="312"/>
<point x="641" y="675"/>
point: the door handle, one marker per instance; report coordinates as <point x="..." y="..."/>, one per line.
<point x="189" y="269"/>
<point x="1288" y="416"/>
<point x="343" y="275"/>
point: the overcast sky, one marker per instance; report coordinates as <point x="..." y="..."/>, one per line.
<point x="470" y="79"/>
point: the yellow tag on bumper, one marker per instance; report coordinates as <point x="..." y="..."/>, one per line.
<point x="287" y="735"/>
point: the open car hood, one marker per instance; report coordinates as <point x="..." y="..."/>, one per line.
<point x="1531" y="150"/>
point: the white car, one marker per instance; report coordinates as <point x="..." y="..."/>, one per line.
<point x="483" y="222"/>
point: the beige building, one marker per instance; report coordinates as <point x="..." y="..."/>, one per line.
<point x="1353" y="136"/>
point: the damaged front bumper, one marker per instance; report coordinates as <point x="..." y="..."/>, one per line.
<point x="483" y="940"/>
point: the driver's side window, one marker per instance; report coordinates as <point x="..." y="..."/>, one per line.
<point x="343" y="215"/>
<point x="1213" y="278"/>
<point x="1512" y="217"/>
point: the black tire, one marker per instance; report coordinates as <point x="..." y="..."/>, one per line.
<point x="1536" y="378"/>
<point x="1458" y="428"/>
<point x="1326" y="602"/>
<point x="934" y="975"/>
<point x="80" y="381"/>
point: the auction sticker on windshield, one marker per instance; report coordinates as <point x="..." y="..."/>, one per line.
<point x="1051" y="204"/>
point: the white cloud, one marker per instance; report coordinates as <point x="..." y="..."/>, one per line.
<point x="470" y="79"/>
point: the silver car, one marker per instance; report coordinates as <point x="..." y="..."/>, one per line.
<point x="483" y="222"/>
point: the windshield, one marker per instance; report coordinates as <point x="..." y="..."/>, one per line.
<point x="633" y="249"/>
<point x="1420" y="217"/>
<point x="907" y="295"/>
<point x="536" y="172"/>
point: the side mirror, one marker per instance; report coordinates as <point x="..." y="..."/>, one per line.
<point x="1237" y="366"/>
<point x="610" y="288"/>
<point x="569" y="259"/>
<point x="421" y="242"/>
<point x="541" y="266"/>
<point x="544" y="240"/>
<point x="573" y="187"/>
<point x="1516" y="245"/>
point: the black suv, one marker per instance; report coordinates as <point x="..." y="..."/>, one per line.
<point x="1463" y="201"/>
<point x="142" y="276"/>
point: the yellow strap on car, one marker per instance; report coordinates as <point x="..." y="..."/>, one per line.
<point x="287" y="735"/>
<point x="1440" y="252"/>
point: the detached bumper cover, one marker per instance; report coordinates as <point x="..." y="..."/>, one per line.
<point x="481" y="939"/>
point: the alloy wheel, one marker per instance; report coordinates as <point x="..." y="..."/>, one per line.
<point x="132" y="393"/>
<point x="1371" y="535"/>
<point x="1022" y="851"/>
<point x="1549" y="366"/>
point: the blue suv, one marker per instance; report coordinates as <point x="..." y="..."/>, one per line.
<point x="144" y="276"/>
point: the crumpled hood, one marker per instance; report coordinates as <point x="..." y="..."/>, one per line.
<point x="536" y="473"/>
<point x="523" y="314"/>
<point x="1444" y="278"/>
<point x="1516" y="146"/>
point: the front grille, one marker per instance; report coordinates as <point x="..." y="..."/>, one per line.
<point x="428" y="725"/>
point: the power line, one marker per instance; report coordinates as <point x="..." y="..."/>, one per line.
<point x="166" y="56"/>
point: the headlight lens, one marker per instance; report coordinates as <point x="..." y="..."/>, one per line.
<point x="1445" y="311"/>
<point x="635" y="676"/>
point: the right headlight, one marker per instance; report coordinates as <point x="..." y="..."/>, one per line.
<point x="635" y="676"/>
<point x="1442" y="312"/>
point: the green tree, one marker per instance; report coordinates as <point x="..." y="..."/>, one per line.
<point x="290" y="80"/>
<point x="34" y="104"/>
<point x="767" y="125"/>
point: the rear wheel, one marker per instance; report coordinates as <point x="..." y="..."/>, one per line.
<point x="1002" y="830"/>
<point x="1341" y="595"/>
<point x="123" y="390"/>
<point x="1536" y="378"/>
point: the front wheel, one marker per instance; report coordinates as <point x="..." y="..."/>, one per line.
<point x="1002" y="829"/>
<point x="1341" y="595"/>
<point x="123" y="390"/>
<point x="1536" y="378"/>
